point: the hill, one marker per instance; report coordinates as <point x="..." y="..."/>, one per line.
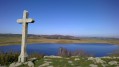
<point x="7" y="39"/>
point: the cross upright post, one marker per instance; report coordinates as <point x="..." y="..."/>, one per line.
<point x="24" y="21"/>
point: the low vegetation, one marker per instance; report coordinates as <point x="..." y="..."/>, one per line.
<point x="7" y="58"/>
<point x="77" y="62"/>
<point x="63" y="52"/>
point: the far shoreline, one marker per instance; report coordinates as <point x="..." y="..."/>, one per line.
<point x="56" y="43"/>
<point x="15" y="40"/>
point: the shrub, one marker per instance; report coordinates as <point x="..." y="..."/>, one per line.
<point x="8" y="57"/>
<point x="66" y="53"/>
<point x="36" y="55"/>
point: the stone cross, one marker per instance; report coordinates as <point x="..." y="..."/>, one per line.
<point x="25" y="20"/>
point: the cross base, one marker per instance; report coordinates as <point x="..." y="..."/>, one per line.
<point x="23" y="58"/>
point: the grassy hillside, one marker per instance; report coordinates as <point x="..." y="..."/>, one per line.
<point x="75" y="62"/>
<point x="16" y="39"/>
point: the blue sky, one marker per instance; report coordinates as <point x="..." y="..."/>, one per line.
<point x="92" y="18"/>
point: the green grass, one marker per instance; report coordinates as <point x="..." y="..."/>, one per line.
<point x="63" y="62"/>
<point x="7" y="58"/>
<point x="38" y="62"/>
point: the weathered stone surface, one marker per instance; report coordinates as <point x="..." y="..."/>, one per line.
<point x="117" y="66"/>
<point x="25" y="63"/>
<point x="90" y="58"/>
<point x="107" y="57"/>
<point x="18" y="64"/>
<point x="76" y="59"/>
<point x="112" y="62"/>
<point x="33" y="59"/>
<point x="3" y="66"/>
<point x="15" y="64"/>
<point x="96" y="60"/>
<point x="52" y="56"/>
<point x="30" y="64"/>
<point x="99" y="60"/>
<point x="74" y="56"/>
<point x="70" y="62"/>
<point x="93" y="65"/>
<point x="23" y="56"/>
<point x="45" y="64"/>
<point x="12" y="64"/>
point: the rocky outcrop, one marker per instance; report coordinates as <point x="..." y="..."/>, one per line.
<point x="93" y="65"/>
<point x="52" y="56"/>
<point x="29" y="63"/>
<point x="15" y="64"/>
<point x="96" y="60"/>
<point x="112" y="63"/>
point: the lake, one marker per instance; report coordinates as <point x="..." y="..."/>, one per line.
<point x="95" y="49"/>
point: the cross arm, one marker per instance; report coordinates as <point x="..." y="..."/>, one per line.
<point x="20" y="20"/>
<point x="29" y="20"/>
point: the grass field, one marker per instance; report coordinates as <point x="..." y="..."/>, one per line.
<point x="7" y="59"/>
<point x="17" y="40"/>
<point x="76" y="62"/>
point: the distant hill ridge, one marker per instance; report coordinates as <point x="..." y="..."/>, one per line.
<point x="54" y="36"/>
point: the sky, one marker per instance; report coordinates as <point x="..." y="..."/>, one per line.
<point x="91" y="18"/>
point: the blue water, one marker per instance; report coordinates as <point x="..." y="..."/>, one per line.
<point x="95" y="49"/>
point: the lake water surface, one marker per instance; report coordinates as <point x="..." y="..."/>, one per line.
<point x="95" y="49"/>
